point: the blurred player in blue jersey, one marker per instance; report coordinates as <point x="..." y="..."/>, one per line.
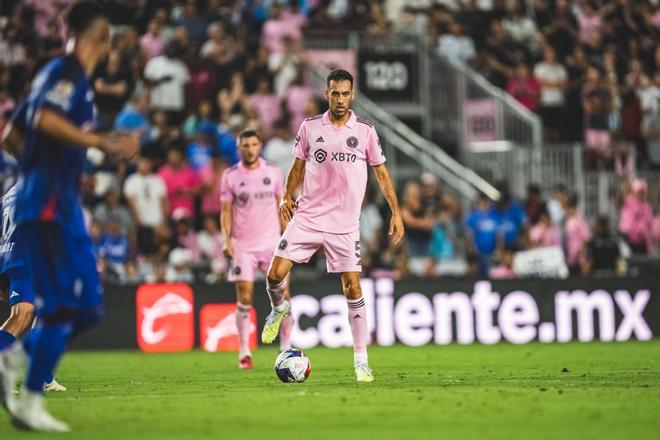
<point x="50" y="231"/>
<point x="14" y="282"/>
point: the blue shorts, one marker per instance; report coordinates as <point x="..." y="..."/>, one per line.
<point x="21" y="288"/>
<point x="62" y="267"/>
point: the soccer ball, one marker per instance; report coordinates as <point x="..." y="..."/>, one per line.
<point x="292" y="366"/>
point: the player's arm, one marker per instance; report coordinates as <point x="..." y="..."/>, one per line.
<point x="293" y="182"/>
<point x="226" y="223"/>
<point x="385" y="183"/>
<point x="53" y="124"/>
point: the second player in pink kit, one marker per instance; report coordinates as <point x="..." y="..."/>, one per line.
<point x="250" y="191"/>
<point x="332" y="155"/>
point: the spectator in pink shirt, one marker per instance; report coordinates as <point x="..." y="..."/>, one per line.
<point x="152" y="42"/>
<point x="524" y="87"/>
<point x="544" y="233"/>
<point x="296" y="98"/>
<point x="577" y="233"/>
<point x="278" y="27"/>
<point x="211" y="176"/>
<point x="589" y="21"/>
<point x="504" y="270"/>
<point x="266" y="105"/>
<point x="182" y="183"/>
<point x="635" y="222"/>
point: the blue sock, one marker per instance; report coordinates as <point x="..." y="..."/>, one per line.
<point x="48" y="344"/>
<point x="6" y="339"/>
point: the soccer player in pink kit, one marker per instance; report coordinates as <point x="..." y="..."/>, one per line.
<point x="250" y="192"/>
<point x="331" y="155"/>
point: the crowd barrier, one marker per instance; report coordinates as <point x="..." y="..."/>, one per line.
<point x="178" y="317"/>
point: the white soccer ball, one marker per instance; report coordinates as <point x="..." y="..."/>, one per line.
<point x="292" y="366"/>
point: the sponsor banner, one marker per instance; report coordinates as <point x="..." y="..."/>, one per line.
<point x="480" y="120"/>
<point x="547" y="262"/>
<point x="388" y="75"/>
<point x="165" y="318"/>
<point x="411" y="312"/>
<point x="217" y="327"/>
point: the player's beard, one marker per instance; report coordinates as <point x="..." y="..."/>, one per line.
<point x="248" y="162"/>
<point x="336" y="112"/>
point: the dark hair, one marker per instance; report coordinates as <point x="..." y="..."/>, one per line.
<point x="534" y="189"/>
<point x="339" y="75"/>
<point x="572" y="201"/>
<point x="82" y="15"/>
<point x="248" y="134"/>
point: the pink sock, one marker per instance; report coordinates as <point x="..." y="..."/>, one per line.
<point x="275" y="292"/>
<point x="243" y="326"/>
<point x="285" y="331"/>
<point x="357" y="318"/>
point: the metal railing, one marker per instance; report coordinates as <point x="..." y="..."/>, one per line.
<point x="409" y="153"/>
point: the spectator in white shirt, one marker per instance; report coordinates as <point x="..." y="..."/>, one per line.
<point x="168" y="76"/>
<point x="147" y="196"/>
<point x="553" y="78"/>
<point x="458" y="48"/>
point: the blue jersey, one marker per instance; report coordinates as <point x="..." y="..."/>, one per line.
<point x="484" y="225"/>
<point x="50" y="170"/>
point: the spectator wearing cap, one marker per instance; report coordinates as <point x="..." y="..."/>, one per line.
<point x="147" y="197"/>
<point x="635" y="221"/>
<point x="152" y="42"/>
<point x="181" y="182"/>
<point x="577" y="235"/>
<point x="211" y="177"/>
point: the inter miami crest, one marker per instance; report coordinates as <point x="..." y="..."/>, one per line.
<point x="242" y="199"/>
<point x="352" y="142"/>
<point x="320" y="155"/>
<point x="283" y="244"/>
<point x="266" y="180"/>
<point x="237" y="270"/>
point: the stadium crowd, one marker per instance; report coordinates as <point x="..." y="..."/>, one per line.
<point x="188" y="76"/>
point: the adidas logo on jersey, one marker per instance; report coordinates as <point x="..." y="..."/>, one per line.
<point x="320" y="139"/>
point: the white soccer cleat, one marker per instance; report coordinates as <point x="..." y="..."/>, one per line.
<point x="54" y="386"/>
<point x="364" y="374"/>
<point x="273" y="322"/>
<point x="31" y="415"/>
<point x="12" y="361"/>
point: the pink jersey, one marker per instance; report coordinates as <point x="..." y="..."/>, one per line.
<point x="335" y="172"/>
<point x="255" y="196"/>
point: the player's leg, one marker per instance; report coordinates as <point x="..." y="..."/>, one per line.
<point x="63" y="268"/>
<point x="357" y="319"/>
<point x="275" y="286"/>
<point x="244" y="301"/>
<point x="342" y="253"/>
<point x="288" y="321"/>
<point x="18" y="323"/>
<point x="12" y="356"/>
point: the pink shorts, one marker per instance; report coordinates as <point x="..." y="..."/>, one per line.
<point x="244" y="265"/>
<point x="342" y="251"/>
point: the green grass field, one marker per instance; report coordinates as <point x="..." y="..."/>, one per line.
<point x="610" y="391"/>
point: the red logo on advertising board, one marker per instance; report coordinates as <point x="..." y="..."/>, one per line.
<point x="165" y="317"/>
<point x="218" y="327"/>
